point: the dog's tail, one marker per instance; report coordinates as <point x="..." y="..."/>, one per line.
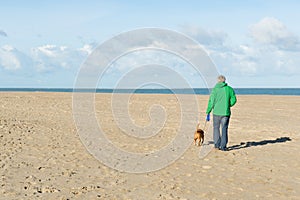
<point x="198" y="126"/>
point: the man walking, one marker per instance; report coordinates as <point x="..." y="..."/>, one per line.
<point x="221" y="99"/>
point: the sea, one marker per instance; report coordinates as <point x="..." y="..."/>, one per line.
<point x="203" y="91"/>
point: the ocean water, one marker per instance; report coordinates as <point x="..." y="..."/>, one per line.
<point x="205" y="91"/>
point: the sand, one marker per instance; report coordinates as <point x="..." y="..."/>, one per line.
<point x="41" y="155"/>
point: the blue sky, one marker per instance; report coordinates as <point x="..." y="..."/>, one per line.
<point x="253" y="43"/>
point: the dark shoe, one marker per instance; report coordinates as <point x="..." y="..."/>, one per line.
<point x="223" y="149"/>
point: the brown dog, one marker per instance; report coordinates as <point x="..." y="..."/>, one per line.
<point x="199" y="135"/>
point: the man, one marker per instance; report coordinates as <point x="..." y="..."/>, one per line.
<point x="221" y="99"/>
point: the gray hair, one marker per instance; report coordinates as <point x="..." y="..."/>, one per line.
<point x="221" y="78"/>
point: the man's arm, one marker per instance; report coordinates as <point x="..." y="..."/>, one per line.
<point x="211" y="101"/>
<point x="232" y="98"/>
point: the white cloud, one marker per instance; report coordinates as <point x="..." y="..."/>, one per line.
<point x="53" y="57"/>
<point x="271" y="31"/>
<point x="248" y="60"/>
<point x="87" y="48"/>
<point x="9" y="58"/>
<point x="287" y="63"/>
<point x="148" y="60"/>
<point x="48" y="50"/>
<point x="45" y="58"/>
<point x="209" y="38"/>
<point x="15" y="61"/>
<point x="229" y="58"/>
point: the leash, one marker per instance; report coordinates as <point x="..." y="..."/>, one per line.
<point x="204" y="126"/>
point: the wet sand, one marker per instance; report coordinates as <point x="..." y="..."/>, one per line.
<point x="41" y="155"/>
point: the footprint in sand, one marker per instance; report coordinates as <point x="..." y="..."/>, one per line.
<point x="206" y="167"/>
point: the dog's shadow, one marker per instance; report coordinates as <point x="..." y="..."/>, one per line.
<point x="260" y="143"/>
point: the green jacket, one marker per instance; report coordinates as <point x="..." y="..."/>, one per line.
<point x="221" y="99"/>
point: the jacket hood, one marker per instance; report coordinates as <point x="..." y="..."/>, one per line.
<point x="220" y="85"/>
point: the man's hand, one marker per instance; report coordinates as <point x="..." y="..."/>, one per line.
<point x="208" y="117"/>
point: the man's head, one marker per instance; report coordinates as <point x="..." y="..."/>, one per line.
<point x="221" y="79"/>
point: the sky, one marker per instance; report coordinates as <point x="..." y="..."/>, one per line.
<point x="253" y="43"/>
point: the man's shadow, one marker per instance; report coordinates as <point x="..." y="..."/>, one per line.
<point x="260" y="143"/>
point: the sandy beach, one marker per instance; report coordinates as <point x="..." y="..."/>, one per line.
<point x="42" y="157"/>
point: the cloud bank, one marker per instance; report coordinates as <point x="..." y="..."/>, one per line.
<point x="270" y="49"/>
<point x="271" y="31"/>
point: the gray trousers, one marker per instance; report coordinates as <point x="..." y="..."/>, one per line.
<point x="220" y="141"/>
